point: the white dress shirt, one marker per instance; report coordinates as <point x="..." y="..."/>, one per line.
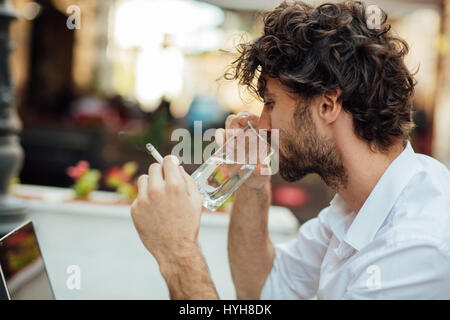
<point x="396" y="247"/>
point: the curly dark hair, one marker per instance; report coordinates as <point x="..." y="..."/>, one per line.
<point x="313" y="50"/>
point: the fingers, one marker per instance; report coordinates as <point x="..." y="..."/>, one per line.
<point x="172" y="174"/>
<point x="229" y="121"/>
<point x="155" y="178"/>
<point x="167" y="176"/>
<point x="240" y="120"/>
<point x="142" y="183"/>
<point x="219" y="136"/>
<point x="142" y="186"/>
<point x="191" y="185"/>
<point x="232" y="122"/>
<point x="245" y="117"/>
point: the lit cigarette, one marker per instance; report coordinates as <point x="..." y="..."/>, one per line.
<point x="151" y="148"/>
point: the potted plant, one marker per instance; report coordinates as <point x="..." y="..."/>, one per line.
<point x="86" y="179"/>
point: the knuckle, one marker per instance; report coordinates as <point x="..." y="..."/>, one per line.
<point x="154" y="192"/>
<point x="230" y="117"/>
<point x="244" y="113"/>
<point x="153" y="166"/>
<point x="171" y="159"/>
<point x="141" y="177"/>
<point x="173" y="188"/>
<point x="229" y="120"/>
<point x="141" y="199"/>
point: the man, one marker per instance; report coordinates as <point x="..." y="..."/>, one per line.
<point x="340" y="95"/>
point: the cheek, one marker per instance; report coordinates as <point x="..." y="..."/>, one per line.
<point x="282" y="122"/>
<point x="283" y="114"/>
<point x="279" y="119"/>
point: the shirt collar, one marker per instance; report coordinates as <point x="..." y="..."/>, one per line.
<point x="382" y="198"/>
<point x="340" y="217"/>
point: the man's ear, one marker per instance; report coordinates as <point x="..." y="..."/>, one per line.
<point x="330" y="106"/>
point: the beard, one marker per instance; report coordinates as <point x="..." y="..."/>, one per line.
<point x="303" y="151"/>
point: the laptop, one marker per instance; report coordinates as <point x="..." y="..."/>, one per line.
<point x="23" y="275"/>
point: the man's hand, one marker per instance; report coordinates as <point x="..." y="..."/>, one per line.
<point x="166" y="215"/>
<point x="167" y="211"/>
<point x="257" y="180"/>
<point x="250" y="250"/>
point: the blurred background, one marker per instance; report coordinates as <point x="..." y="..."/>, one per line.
<point x="135" y="70"/>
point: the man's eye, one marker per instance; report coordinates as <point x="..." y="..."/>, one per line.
<point x="269" y="104"/>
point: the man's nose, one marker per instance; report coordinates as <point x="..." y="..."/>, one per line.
<point x="264" y="120"/>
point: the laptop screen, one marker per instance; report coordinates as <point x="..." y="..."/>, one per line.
<point x="22" y="266"/>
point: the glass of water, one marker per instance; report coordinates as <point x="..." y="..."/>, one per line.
<point x="221" y="174"/>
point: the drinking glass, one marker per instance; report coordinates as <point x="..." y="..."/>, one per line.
<point x="230" y="165"/>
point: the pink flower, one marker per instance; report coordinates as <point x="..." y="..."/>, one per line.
<point x="76" y="172"/>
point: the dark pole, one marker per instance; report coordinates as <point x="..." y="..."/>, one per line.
<point x="12" y="211"/>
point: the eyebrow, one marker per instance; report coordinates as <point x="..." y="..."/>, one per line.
<point x="268" y="94"/>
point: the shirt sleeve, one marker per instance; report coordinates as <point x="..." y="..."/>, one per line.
<point x="413" y="269"/>
<point x="296" y="267"/>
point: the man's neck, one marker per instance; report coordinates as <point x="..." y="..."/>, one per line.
<point x="364" y="169"/>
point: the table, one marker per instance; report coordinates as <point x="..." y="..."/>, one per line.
<point x="102" y="241"/>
